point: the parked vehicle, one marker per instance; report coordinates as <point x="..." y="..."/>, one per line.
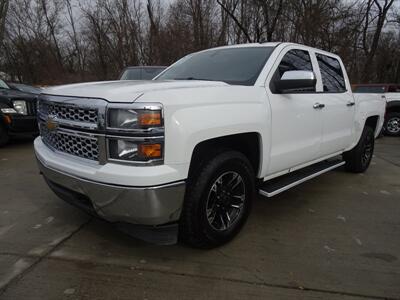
<point x="24" y="88"/>
<point x="17" y="113"/>
<point x="184" y="154"/>
<point x="141" y="73"/>
<point x="391" y="94"/>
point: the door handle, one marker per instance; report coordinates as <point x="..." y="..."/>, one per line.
<point x="350" y="103"/>
<point x="318" y="105"/>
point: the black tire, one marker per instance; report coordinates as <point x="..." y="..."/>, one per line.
<point x="392" y="124"/>
<point x="4" y="137"/>
<point x="197" y="226"/>
<point x="358" y="159"/>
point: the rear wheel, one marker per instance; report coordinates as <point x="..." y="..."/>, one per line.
<point x="4" y="137"/>
<point x="392" y="124"/>
<point x="217" y="201"/>
<point x="359" y="158"/>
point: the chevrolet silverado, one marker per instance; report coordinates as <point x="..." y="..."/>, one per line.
<point x="181" y="157"/>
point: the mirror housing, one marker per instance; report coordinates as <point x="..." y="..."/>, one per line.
<point x="296" y="81"/>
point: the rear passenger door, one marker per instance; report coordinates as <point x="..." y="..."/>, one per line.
<point x="296" y="124"/>
<point x="338" y="113"/>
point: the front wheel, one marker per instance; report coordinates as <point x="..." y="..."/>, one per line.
<point x="392" y="124"/>
<point x="358" y="159"/>
<point x="217" y="201"/>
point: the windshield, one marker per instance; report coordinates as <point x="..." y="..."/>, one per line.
<point x="370" y="89"/>
<point x="239" y="66"/>
<point x="3" y="85"/>
<point x="150" y="73"/>
<point x="140" y="73"/>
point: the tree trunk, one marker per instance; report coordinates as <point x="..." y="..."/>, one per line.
<point x="3" y="14"/>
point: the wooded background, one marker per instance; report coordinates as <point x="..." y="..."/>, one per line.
<point x="62" y="41"/>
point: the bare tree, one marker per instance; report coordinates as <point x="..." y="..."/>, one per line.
<point x="60" y="41"/>
<point x="3" y="14"/>
<point x="77" y="49"/>
<point x="52" y="18"/>
<point x="380" y="16"/>
<point x="230" y="8"/>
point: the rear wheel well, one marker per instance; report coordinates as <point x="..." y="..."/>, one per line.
<point x="246" y="143"/>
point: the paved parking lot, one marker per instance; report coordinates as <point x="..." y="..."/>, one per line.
<point x="335" y="237"/>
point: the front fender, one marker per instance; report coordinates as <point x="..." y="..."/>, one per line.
<point x="190" y="126"/>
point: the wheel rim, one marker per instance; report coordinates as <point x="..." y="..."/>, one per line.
<point x="368" y="149"/>
<point x="225" y="201"/>
<point x="393" y="125"/>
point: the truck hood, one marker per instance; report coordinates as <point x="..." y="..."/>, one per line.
<point x="126" y="90"/>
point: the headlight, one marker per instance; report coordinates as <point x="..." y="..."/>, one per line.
<point x="20" y="107"/>
<point x="135" y="133"/>
<point x="129" y="119"/>
<point x="8" y="111"/>
<point x="127" y="150"/>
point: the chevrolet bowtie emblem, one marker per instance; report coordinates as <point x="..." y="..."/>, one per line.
<point x="51" y="123"/>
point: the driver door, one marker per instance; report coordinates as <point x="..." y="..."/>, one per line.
<point x="296" y="131"/>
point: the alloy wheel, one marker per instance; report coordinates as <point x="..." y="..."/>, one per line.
<point x="393" y="125"/>
<point x="368" y="150"/>
<point x="225" y="201"/>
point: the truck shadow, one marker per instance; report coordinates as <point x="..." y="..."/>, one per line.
<point x="18" y="142"/>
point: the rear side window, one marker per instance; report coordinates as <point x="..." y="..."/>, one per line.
<point x="295" y="60"/>
<point x="331" y="73"/>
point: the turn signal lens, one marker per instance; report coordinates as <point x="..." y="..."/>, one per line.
<point x="150" y="118"/>
<point x="150" y="150"/>
<point x="7" y="119"/>
<point x="131" y="119"/>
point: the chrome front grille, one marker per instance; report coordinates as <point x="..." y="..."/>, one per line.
<point x="85" y="146"/>
<point x="71" y="125"/>
<point x="77" y="126"/>
<point x="69" y="112"/>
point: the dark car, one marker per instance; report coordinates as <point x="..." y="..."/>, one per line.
<point x="24" y="88"/>
<point x="141" y="73"/>
<point x="17" y="113"/>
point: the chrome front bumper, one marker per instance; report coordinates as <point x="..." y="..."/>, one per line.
<point x="155" y="205"/>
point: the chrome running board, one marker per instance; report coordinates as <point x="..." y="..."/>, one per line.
<point x="282" y="183"/>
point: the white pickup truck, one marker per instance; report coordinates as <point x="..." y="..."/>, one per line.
<point x="390" y="94"/>
<point x="182" y="156"/>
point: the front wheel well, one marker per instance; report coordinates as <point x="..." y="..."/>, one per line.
<point x="372" y="122"/>
<point x="246" y="143"/>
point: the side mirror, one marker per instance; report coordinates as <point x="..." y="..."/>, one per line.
<point x="293" y="81"/>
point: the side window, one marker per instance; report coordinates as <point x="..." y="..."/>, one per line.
<point x="295" y="60"/>
<point x="331" y="73"/>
